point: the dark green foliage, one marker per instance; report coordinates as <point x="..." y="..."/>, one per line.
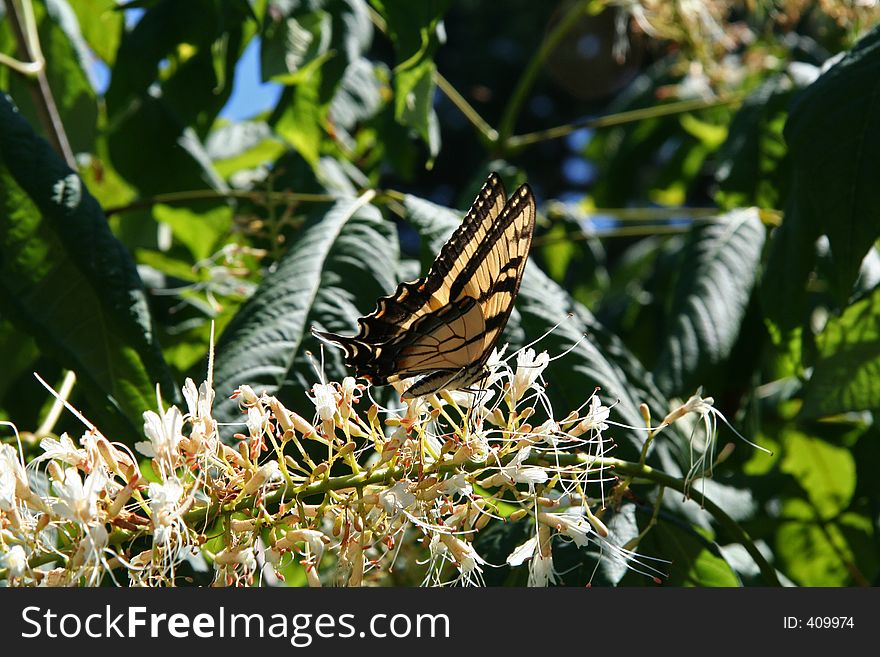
<point x="723" y="237"/>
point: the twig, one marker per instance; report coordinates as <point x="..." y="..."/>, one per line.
<point x="527" y="79"/>
<point x="25" y="33"/>
<point x="622" y="118"/>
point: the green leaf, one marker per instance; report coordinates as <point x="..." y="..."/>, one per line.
<point x="200" y="232"/>
<point x="19" y="352"/>
<point x="692" y="560"/>
<point x="358" y="98"/>
<point x="67" y="62"/>
<point x="791" y="258"/>
<point x="833" y="134"/>
<point x="348" y="254"/>
<point x="711" y="296"/>
<point x="297" y="34"/>
<point x="414" y="28"/>
<point x="825" y="473"/>
<point x="414" y="102"/>
<point x="245" y="145"/>
<point x="68" y="282"/>
<point x="167" y="88"/>
<point x="846" y="373"/>
<point x="751" y="168"/>
<point x="101" y="26"/>
<point x="304" y="123"/>
<point x="815" y="553"/>
<point x="310" y="46"/>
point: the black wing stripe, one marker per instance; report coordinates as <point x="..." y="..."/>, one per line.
<point x="514" y="210"/>
<point x="449" y="321"/>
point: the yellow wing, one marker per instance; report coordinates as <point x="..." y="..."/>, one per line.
<point x="445" y="324"/>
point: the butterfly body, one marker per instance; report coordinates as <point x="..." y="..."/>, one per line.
<point x="444" y="326"/>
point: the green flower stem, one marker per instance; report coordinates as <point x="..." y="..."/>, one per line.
<point x="199" y="516"/>
<point x="204" y="515"/>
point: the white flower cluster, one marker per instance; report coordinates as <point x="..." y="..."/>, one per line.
<point x="381" y="490"/>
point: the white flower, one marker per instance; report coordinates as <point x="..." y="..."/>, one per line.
<point x="523" y="553"/>
<point x="15" y="561"/>
<point x="541" y="571"/>
<point x="12" y="478"/>
<point x="457" y="485"/>
<point x="247" y="394"/>
<point x="478" y="442"/>
<point x="256" y="421"/>
<point x="312" y="537"/>
<point x="529" y="367"/>
<point x="596" y="419"/>
<point x="198" y="401"/>
<point x="247" y="558"/>
<point x="266" y="473"/>
<point x="575" y="526"/>
<point x="78" y="499"/>
<point x="516" y="472"/>
<point x="165" y="509"/>
<point x="324" y="399"/>
<point x="548" y="432"/>
<point x="497" y="366"/>
<point x="61" y="449"/>
<point x="95" y="541"/>
<point x="466" y="559"/>
<point x="165" y="433"/>
<point x="397" y="498"/>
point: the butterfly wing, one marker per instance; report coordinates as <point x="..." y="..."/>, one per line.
<point x="447" y="322"/>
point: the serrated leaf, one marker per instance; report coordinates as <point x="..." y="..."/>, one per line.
<point x="712" y="293"/>
<point x="833" y="134"/>
<point x="846" y="373"/>
<point x="345" y="255"/>
<point x="68" y="282"/>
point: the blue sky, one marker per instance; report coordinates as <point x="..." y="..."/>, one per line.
<point x="249" y="95"/>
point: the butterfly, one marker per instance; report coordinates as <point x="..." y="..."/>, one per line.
<point x="443" y="327"/>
